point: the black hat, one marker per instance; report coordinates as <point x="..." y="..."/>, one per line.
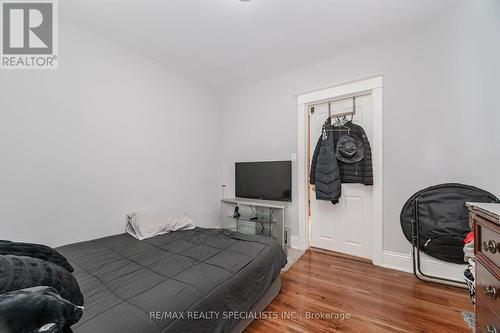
<point x="350" y="149"/>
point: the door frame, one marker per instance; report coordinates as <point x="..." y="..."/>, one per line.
<point x="373" y="85"/>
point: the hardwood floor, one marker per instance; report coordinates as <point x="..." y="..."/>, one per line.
<point x="377" y="299"/>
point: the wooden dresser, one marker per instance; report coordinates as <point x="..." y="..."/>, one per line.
<point x="486" y="222"/>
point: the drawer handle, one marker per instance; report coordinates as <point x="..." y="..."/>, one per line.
<point x="490" y="246"/>
<point x="491" y="329"/>
<point x="490" y="291"/>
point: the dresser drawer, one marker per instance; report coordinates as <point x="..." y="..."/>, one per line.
<point x="488" y="288"/>
<point x="486" y="321"/>
<point x="488" y="239"/>
<point x="488" y="300"/>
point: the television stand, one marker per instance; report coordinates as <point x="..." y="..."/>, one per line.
<point x="259" y="217"/>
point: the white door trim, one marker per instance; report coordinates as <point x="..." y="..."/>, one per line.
<point x="374" y="86"/>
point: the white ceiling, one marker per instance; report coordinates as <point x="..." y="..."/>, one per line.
<point x="227" y="43"/>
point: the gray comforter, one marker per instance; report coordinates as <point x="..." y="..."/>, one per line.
<point x="185" y="281"/>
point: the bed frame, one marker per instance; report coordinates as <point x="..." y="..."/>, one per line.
<point x="268" y="297"/>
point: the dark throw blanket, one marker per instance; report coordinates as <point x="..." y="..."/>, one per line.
<point x="34" y="309"/>
<point x="39" y="251"/>
<point x="18" y="272"/>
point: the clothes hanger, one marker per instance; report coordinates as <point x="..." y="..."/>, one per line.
<point x="339" y="120"/>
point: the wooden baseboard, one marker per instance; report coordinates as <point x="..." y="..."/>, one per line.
<point x="338" y="255"/>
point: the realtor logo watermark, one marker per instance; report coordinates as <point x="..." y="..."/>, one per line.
<point x="29" y="35"/>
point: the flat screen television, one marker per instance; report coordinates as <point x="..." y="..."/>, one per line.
<point x="264" y="180"/>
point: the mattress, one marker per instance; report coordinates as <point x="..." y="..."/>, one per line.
<point x="200" y="280"/>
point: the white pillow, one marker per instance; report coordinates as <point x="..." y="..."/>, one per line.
<point x="147" y="225"/>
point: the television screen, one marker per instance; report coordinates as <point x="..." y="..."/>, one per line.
<point x="264" y="180"/>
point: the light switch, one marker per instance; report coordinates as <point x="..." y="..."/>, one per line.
<point x="293" y="157"/>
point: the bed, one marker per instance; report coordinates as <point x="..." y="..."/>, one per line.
<point x="200" y="280"/>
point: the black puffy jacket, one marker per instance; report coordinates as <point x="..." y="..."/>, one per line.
<point x="360" y="172"/>
<point x="326" y="171"/>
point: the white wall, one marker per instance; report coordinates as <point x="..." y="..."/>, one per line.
<point x="112" y="132"/>
<point x="109" y="133"/>
<point x="441" y="112"/>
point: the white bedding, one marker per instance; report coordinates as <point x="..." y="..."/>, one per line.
<point x="147" y="225"/>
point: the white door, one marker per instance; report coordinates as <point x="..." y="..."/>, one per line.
<point x="344" y="227"/>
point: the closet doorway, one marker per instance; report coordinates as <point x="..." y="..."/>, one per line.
<point x="346" y="226"/>
<point x="354" y="225"/>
